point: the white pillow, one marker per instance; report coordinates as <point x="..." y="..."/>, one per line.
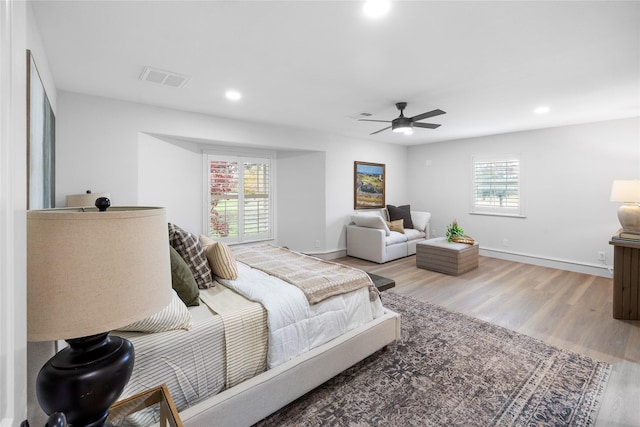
<point x="371" y="221"/>
<point x="420" y="220"/>
<point x="173" y="316"/>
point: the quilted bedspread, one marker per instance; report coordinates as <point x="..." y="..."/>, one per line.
<point x="316" y="278"/>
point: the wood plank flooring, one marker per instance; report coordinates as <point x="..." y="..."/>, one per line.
<point x="562" y="308"/>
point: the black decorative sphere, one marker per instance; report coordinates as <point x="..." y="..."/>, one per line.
<point x="102" y="203"/>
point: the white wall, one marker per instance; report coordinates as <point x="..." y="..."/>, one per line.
<point x="98" y="149"/>
<point x="170" y="175"/>
<point x="301" y="196"/>
<point x="567" y="175"/>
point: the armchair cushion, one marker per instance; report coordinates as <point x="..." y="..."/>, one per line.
<point x="413" y="234"/>
<point x="394" y="238"/>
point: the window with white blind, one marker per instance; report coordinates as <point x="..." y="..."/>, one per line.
<point x="239" y="198"/>
<point x="497" y="186"/>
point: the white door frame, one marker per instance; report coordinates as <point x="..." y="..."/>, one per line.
<point x="13" y="406"/>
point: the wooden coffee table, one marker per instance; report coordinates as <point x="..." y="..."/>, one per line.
<point x="382" y="283"/>
<point x="444" y="257"/>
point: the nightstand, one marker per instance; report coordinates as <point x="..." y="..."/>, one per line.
<point x="157" y="396"/>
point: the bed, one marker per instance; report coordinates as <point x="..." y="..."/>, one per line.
<point x="257" y="342"/>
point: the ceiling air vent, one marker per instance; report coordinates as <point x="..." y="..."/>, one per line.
<point x="162" y="77"/>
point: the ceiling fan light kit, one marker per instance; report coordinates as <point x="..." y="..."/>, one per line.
<point x="405" y="125"/>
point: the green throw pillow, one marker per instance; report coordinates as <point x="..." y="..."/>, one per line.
<point x="182" y="280"/>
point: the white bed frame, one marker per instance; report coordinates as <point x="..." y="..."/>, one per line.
<point x="256" y="398"/>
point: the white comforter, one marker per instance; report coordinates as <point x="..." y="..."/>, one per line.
<point x="295" y="326"/>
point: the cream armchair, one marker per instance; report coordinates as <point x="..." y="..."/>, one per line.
<point x="369" y="236"/>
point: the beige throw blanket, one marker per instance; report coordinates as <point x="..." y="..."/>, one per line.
<point x="246" y="332"/>
<point x="317" y="279"/>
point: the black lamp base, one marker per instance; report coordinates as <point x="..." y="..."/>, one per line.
<point x="85" y="379"/>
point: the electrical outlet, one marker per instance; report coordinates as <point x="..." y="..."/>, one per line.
<point x="602" y="256"/>
<point x="317" y="243"/>
<point x="505" y="242"/>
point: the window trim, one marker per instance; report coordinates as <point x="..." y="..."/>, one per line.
<point x="242" y="158"/>
<point x="516" y="212"/>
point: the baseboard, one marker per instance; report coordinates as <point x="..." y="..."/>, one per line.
<point x="578" y="267"/>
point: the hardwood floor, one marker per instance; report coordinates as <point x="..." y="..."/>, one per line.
<point x="565" y="309"/>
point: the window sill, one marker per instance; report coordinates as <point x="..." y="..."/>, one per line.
<point x="508" y="215"/>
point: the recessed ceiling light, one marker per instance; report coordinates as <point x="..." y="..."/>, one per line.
<point x="376" y="8"/>
<point x="542" y="110"/>
<point x="233" y="95"/>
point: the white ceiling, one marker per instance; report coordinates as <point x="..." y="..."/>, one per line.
<point x="311" y="64"/>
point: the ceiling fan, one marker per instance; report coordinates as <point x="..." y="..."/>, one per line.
<point x="406" y="124"/>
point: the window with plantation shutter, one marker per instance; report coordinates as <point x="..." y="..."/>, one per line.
<point x="239" y="198"/>
<point x="497" y="185"/>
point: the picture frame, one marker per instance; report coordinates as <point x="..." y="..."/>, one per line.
<point x="41" y="138"/>
<point x="368" y="185"/>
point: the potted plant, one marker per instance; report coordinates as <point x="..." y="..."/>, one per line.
<point x="454" y="231"/>
<point x="456" y="234"/>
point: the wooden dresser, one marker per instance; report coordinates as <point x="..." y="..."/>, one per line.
<point x="626" y="279"/>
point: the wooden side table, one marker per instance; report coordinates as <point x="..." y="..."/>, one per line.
<point x="626" y="279"/>
<point x="154" y="396"/>
<point x="382" y="283"/>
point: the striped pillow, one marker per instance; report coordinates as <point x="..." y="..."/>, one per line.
<point x="221" y="259"/>
<point x="173" y="316"/>
<point x="187" y="245"/>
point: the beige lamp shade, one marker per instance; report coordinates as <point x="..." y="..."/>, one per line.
<point x="90" y="272"/>
<point x="83" y="200"/>
<point x="626" y="191"/>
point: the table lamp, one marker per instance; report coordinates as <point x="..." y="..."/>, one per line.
<point x="89" y="272"/>
<point x="627" y="192"/>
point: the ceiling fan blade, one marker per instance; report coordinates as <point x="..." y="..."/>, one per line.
<point x="369" y="120"/>
<point x="433" y="113"/>
<point x="378" y="131"/>
<point x="425" y="125"/>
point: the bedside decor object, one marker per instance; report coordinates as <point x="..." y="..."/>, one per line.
<point x="368" y="185"/>
<point x="627" y="192"/>
<point x="90" y="272"/>
<point x="83" y="200"/>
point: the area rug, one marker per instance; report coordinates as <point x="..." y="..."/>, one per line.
<point x="453" y="370"/>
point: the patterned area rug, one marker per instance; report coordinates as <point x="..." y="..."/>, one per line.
<point x="453" y="370"/>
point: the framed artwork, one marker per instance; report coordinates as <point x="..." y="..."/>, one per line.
<point x="41" y="138"/>
<point x="368" y="185"/>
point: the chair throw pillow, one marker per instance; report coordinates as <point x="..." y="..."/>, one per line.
<point x="182" y="280"/>
<point x="221" y="259"/>
<point x="401" y="212"/>
<point x="396" y="225"/>
<point x="188" y="246"/>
